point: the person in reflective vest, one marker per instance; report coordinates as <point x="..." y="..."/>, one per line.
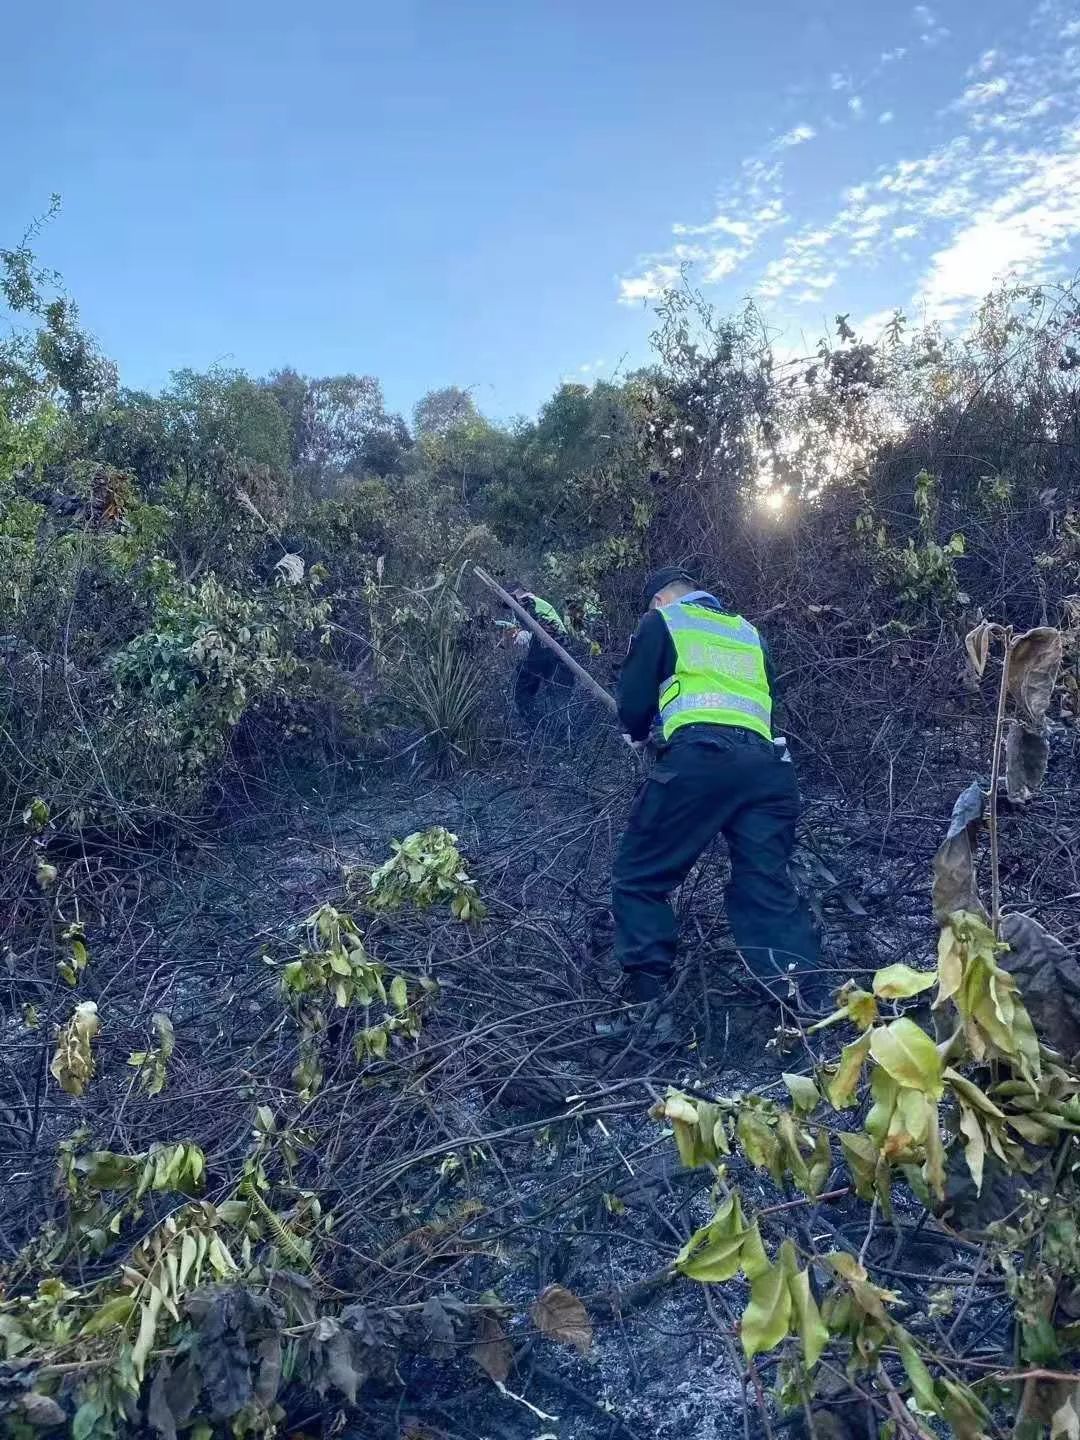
<point x="540" y="673"/>
<point x="705" y="677"/>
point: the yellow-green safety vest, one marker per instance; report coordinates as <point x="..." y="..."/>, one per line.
<point x="720" y="676"/>
<point x="547" y="612"/>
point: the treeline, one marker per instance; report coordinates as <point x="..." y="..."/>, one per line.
<point x="241" y="569"/>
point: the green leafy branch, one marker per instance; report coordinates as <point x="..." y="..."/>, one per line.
<point x="333" y="971"/>
<point x="426" y="868"/>
<point x="988" y="1088"/>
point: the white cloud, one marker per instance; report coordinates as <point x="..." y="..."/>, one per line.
<point x="721" y="264"/>
<point x="891" y="57"/>
<point x="770" y="214"/>
<point x="746" y="211"/>
<point x="649" y="285"/>
<point x="931" y="31"/>
<point x="719" y="224"/>
<point x="1013" y="235"/>
<point x="982" y="93"/>
<point x="869" y="222"/>
<point x="999" y="194"/>
<point x="780" y="277"/>
<point x="798" y="135"/>
<point x="873" y="326"/>
<point x="994" y="208"/>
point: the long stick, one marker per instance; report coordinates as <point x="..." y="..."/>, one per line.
<point x="995" y="774"/>
<point x="593" y="686"/>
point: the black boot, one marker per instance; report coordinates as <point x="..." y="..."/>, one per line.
<point x="645" y="1010"/>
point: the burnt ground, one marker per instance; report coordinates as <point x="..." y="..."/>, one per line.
<point x="507" y="1150"/>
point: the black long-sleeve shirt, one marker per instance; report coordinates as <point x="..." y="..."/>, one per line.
<point x="649" y="662"/>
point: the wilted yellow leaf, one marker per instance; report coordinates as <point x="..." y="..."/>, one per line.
<point x="758" y="1140"/>
<point x="811" y="1329"/>
<point x="901" y="982"/>
<point x="842" y="1086"/>
<point x="934" y="1164"/>
<point x="861" y="1155"/>
<point x="73" y="1063"/>
<point x="714" y="1252"/>
<point x="974" y="1144"/>
<point x="909" y="1055"/>
<point x="767" y="1317"/>
<point x="977" y="645"/>
<point x="803" y="1091"/>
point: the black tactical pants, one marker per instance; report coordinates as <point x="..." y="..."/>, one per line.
<point x="541" y="677"/>
<point x="731" y="782"/>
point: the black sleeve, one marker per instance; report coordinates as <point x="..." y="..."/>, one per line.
<point x="770" y="676"/>
<point x="648" y="664"/>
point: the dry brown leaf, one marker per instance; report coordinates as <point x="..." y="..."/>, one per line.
<point x="439" y="1324"/>
<point x="1049" y="980"/>
<point x="955" y="886"/>
<point x="1034" y="662"/>
<point x="492" y="1350"/>
<point x="1026" y="754"/>
<point x="73" y="1063"/>
<point x="560" y="1315"/>
<point x="1042" y="1404"/>
<point x="42" y="1411"/>
<point x="967" y="812"/>
<point x="977" y="645"/>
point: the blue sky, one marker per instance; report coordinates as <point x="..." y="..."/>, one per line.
<point x="488" y="192"/>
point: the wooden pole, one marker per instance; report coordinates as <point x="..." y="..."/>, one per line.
<point x="593" y="686"/>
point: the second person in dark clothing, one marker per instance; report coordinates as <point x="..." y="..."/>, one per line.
<point x="707" y="675"/>
<point x="541" y="674"/>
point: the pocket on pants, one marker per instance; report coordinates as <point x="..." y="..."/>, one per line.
<point x="649" y="801"/>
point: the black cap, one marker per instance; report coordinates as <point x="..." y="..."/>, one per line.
<point x="665" y="576"/>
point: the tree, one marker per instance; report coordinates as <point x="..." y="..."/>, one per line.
<point x="71" y="359"/>
<point x="136" y="433"/>
<point x="338" y="425"/>
<point x="57" y="361"/>
<point x="225" y="411"/>
<point x="384" y="448"/>
<point x="339" y="411"/>
<point x="290" y="389"/>
<point x="441" y="411"/>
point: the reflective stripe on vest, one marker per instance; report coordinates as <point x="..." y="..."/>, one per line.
<point x="547" y="612"/>
<point x="719" y="674"/>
